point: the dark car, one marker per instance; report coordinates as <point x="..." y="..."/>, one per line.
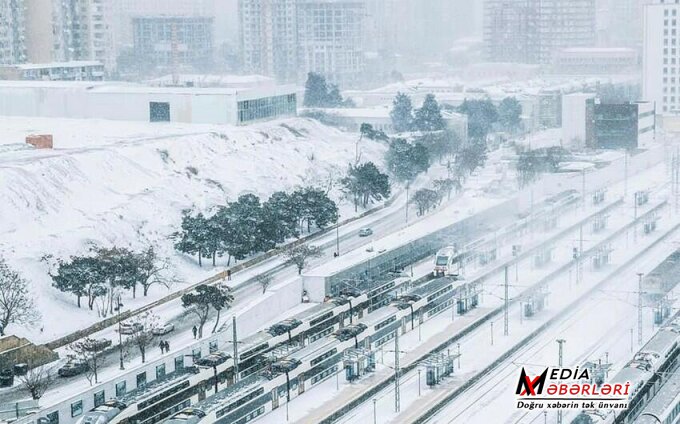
<point x="73" y="367"/>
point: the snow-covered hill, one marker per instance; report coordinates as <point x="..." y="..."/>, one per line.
<point x="125" y="184"/>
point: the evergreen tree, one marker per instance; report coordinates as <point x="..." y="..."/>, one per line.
<point x="283" y="214"/>
<point x="333" y="97"/>
<point x="366" y="183"/>
<point x="482" y="114"/>
<point x="440" y="143"/>
<point x="429" y="116"/>
<point x="405" y="161"/>
<point x="316" y="90"/>
<point x="510" y="114"/>
<point x="402" y="113"/>
<point x="314" y="207"/>
<point x="194" y="237"/>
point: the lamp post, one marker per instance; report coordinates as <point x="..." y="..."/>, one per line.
<point x="119" y="306"/>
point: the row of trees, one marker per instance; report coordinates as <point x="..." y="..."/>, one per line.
<point x="249" y="226"/>
<point x="320" y="93"/>
<point x="532" y="163"/>
<point x="427" y="118"/>
<point x="483" y="116"/>
<point x="426" y="199"/>
<point x="103" y="274"/>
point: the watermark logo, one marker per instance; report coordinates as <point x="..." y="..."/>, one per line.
<point x="568" y="388"/>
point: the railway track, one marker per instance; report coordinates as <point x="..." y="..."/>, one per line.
<point x="564" y="314"/>
<point x="385" y="383"/>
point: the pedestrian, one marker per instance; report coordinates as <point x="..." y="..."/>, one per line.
<point x="195" y="331"/>
<point x="229" y="275"/>
<point x="167" y="346"/>
<point x="162" y="346"/>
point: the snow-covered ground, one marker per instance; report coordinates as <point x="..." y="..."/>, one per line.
<point x="126" y="183"/>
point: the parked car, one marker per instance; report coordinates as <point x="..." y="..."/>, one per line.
<point x="163" y="329"/>
<point x="73" y="367"/>
<point x="127" y="328"/>
<point x="365" y="232"/>
<point x="98" y="345"/>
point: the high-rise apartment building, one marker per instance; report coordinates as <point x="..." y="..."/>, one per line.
<point x="288" y="38"/>
<point x="169" y="42"/>
<point x="268" y="31"/>
<point x="661" y="56"/>
<point x="331" y="37"/>
<point x="12" y="28"/>
<point x="69" y="30"/>
<point x="531" y="31"/>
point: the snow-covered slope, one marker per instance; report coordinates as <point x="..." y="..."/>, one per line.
<point x="126" y="184"/>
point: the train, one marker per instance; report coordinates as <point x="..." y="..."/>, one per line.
<point x="644" y="372"/>
<point x="351" y="349"/>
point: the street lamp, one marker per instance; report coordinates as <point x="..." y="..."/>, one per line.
<point x="119" y="306"/>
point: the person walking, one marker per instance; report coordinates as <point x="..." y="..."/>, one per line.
<point x="195" y="331"/>
<point x="167" y="346"/>
<point x="162" y="346"/>
<point x="229" y="275"/>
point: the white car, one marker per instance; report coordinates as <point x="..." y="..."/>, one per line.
<point x="365" y="232"/>
<point x="163" y="329"/>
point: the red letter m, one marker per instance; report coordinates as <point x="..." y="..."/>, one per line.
<point x="529" y="386"/>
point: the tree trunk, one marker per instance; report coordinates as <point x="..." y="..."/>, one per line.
<point x="78" y="301"/>
<point x="142" y="350"/>
<point x="134" y="291"/>
<point x="200" y="329"/>
<point x="214" y="254"/>
<point x="199" y="260"/>
<point x="217" y="322"/>
<point x="146" y="288"/>
<point x="229" y="260"/>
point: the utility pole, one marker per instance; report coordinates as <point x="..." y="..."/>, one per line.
<point x="491" y="333"/>
<point x="235" y="343"/>
<point x="625" y="175"/>
<point x="580" y="253"/>
<point x="407" y="187"/>
<point x="505" y="308"/>
<point x="120" y="335"/>
<point x="337" y="239"/>
<point x="583" y="186"/>
<point x="458" y="355"/>
<point x="560" y="359"/>
<point x="639" y="274"/>
<point x="397" y="400"/>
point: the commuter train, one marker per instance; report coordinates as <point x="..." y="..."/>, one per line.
<point x="644" y="372"/>
<point x="351" y="349"/>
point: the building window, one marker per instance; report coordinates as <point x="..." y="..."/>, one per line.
<point x="52" y="417"/>
<point x="141" y="379"/>
<point x="99" y="398"/>
<point x="160" y="371"/>
<point x="196" y="353"/>
<point x="121" y="389"/>
<point x="179" y="363"/>
<point x="212" y="346"/>
<point x="159" y="112"/>
<point x="77" y="408"/>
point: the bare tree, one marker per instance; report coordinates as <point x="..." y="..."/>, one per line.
<point x="142" y="331"/>
<point x="265" y="281"/>
<point x="37" y="381"/>
<point x="151" y="270"/>
<point x="16" y="304"/>
<point x="88" y="350"/>
<point x="299" y="255"/>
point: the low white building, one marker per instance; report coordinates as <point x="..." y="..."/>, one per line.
<point x="574" y="119"/>
<point x="596" y="60"/>
<point x="91" y="70"/>
<point x="132" y="102"/>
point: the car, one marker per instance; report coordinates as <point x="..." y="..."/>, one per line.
<point x="73" y="367"/>
<point x="365" y="232"/>
<point x="98" y="345"/>
<point x="127" y="328"/>
<point x="163" y="329"/>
